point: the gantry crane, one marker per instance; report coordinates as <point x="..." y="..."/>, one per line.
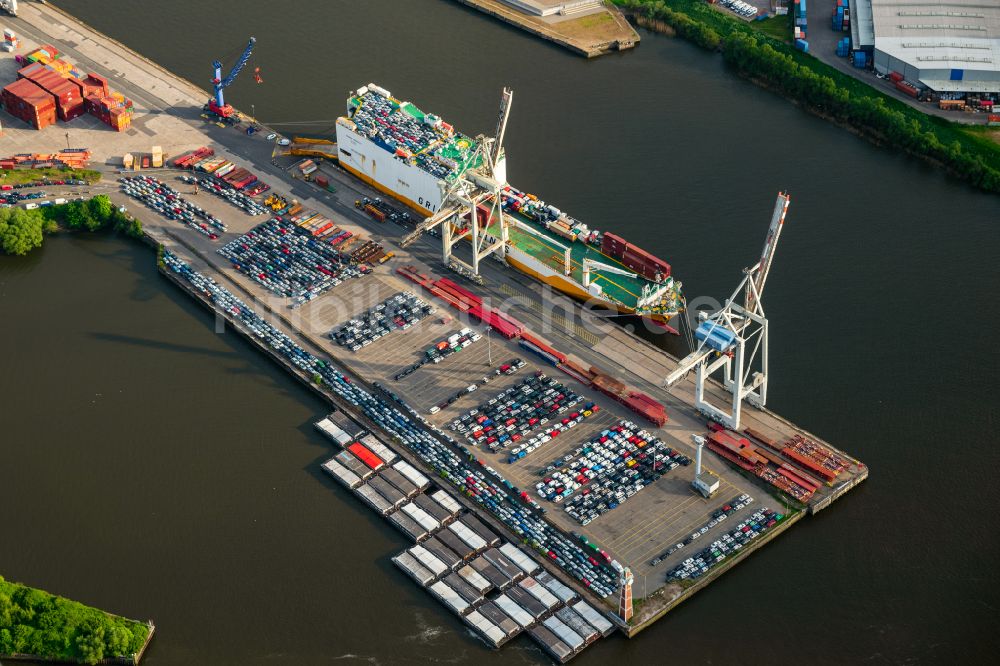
<point x="477" y="195"/>
<point x="734" y="339"/>
<point x="217" y="105"/>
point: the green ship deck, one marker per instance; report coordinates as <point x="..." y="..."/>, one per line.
<point x="455" y="146"/>
<point x="546" y="247"/>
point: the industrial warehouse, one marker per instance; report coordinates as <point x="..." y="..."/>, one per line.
<point x="950" y="48"/>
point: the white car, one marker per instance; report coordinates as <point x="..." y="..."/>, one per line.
<point x="284" y="142"/>
<point x="272" y="136"/>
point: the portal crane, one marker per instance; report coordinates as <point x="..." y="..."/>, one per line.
<point x="477" y="194"/>
<point x="734" y="339"/>
<point x="218" y="105"/>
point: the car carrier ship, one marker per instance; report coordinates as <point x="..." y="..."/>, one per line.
<point x="415" y="157"/>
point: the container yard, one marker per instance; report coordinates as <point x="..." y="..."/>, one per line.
<point x="69" y="91"/>
<point x="534" y="473"/>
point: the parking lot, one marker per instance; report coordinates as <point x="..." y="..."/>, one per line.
<point x="660" y="515"/>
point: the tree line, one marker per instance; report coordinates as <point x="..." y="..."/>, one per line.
<point x="774" y="64"/>
<point x="37" y="623"/>
<point x="22" y="231"/>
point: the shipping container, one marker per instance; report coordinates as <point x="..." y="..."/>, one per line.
<point x="441" y="551"/>
<point x="907" y="89"/>
<point x="412" y="567"/>
<point x="365" y="455"/>
<point x="26" y="100"/>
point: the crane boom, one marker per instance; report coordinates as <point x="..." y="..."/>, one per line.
<point x="734" y="339"/>
<point x="218" y="105"/>
<point x="588" y="264"/>
<point x="767" y="255"/>
<point x="505" y="101"/>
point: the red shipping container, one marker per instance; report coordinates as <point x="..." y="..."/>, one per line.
<point x="29" y="102"/>
<point x="67" y="96"/>
<point x="895" y="76"/>
<point x="31" y="70"/>
<point x="905" y="87"/>
<point x="613" y="245"/>
<point x="103" y="82"/>
<point x="365" y="455"/>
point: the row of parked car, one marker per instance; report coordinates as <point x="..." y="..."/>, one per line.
<point x="608" y="470"/>
<point x="740" y="7"/>
<point x="288" y="261"/>
<point x="168" y="202"/>
<point x="728" y="544"/>
<point x="41" y="183"/>
<point x="400" y="311"/>
<point x="718" y="516"/>
<point x="12" y="198"/>
<point x="223" y="190"/>
<point x="226" y="302"/>
<point x="452" y="461"/>
<point x="441" y="350"/>
<point x="508" y="417"/>
<point x="508" y="368"/>
<point x="496" y="494"/>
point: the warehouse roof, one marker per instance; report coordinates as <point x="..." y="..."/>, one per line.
<point x="862" y="30"/>
<point x="943" y="34"/>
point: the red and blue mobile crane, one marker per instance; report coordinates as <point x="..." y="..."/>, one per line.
<point x="218" y="105"/>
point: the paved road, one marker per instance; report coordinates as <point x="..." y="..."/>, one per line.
<point x="823" y="44"/>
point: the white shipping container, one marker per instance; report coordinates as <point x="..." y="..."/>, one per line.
<point x="475" y="579"/>
<point x="471" y="539"/>
<point x="412" y="474"/>
<point x="593" y="618"/>
<point x="490" y="631"/>
<point x="565" y="634"/>
<point x="447" y="501"/>
<point x="450" y="597"/>
<point x="535" y="589"/>
<point x="515" y="612"/>
<point x="341" y="473"/>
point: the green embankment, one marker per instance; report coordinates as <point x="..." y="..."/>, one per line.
<point x="22" y="231"/>
<point x="39" y="624"/>
<point x="17" y="176"/>
<point x="969" y="152"/>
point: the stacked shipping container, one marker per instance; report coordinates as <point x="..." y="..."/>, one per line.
<point x="636" y="258"/>
<point x="68" y="94"/>
<point x="72" y="92"/>
<point x="30" y="102"/>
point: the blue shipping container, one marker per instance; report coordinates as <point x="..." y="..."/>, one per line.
<point x="859" y="59"/>
<point x="802" y="45"/>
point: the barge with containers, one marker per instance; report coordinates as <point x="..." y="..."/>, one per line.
<point x="415" y="157"/>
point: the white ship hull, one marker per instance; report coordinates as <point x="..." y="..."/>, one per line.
<point x="380" y="169"/>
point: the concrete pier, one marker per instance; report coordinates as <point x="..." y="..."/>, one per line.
<point x="590" y="34"/>
<point x="169" y="114"/>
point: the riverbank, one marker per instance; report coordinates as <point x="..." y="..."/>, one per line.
<point x="23" y="230"/>
<point x="970" y="154"/>
<point x="38" y="626"/>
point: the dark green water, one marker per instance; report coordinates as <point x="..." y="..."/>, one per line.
<point x="154" y="468"/>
